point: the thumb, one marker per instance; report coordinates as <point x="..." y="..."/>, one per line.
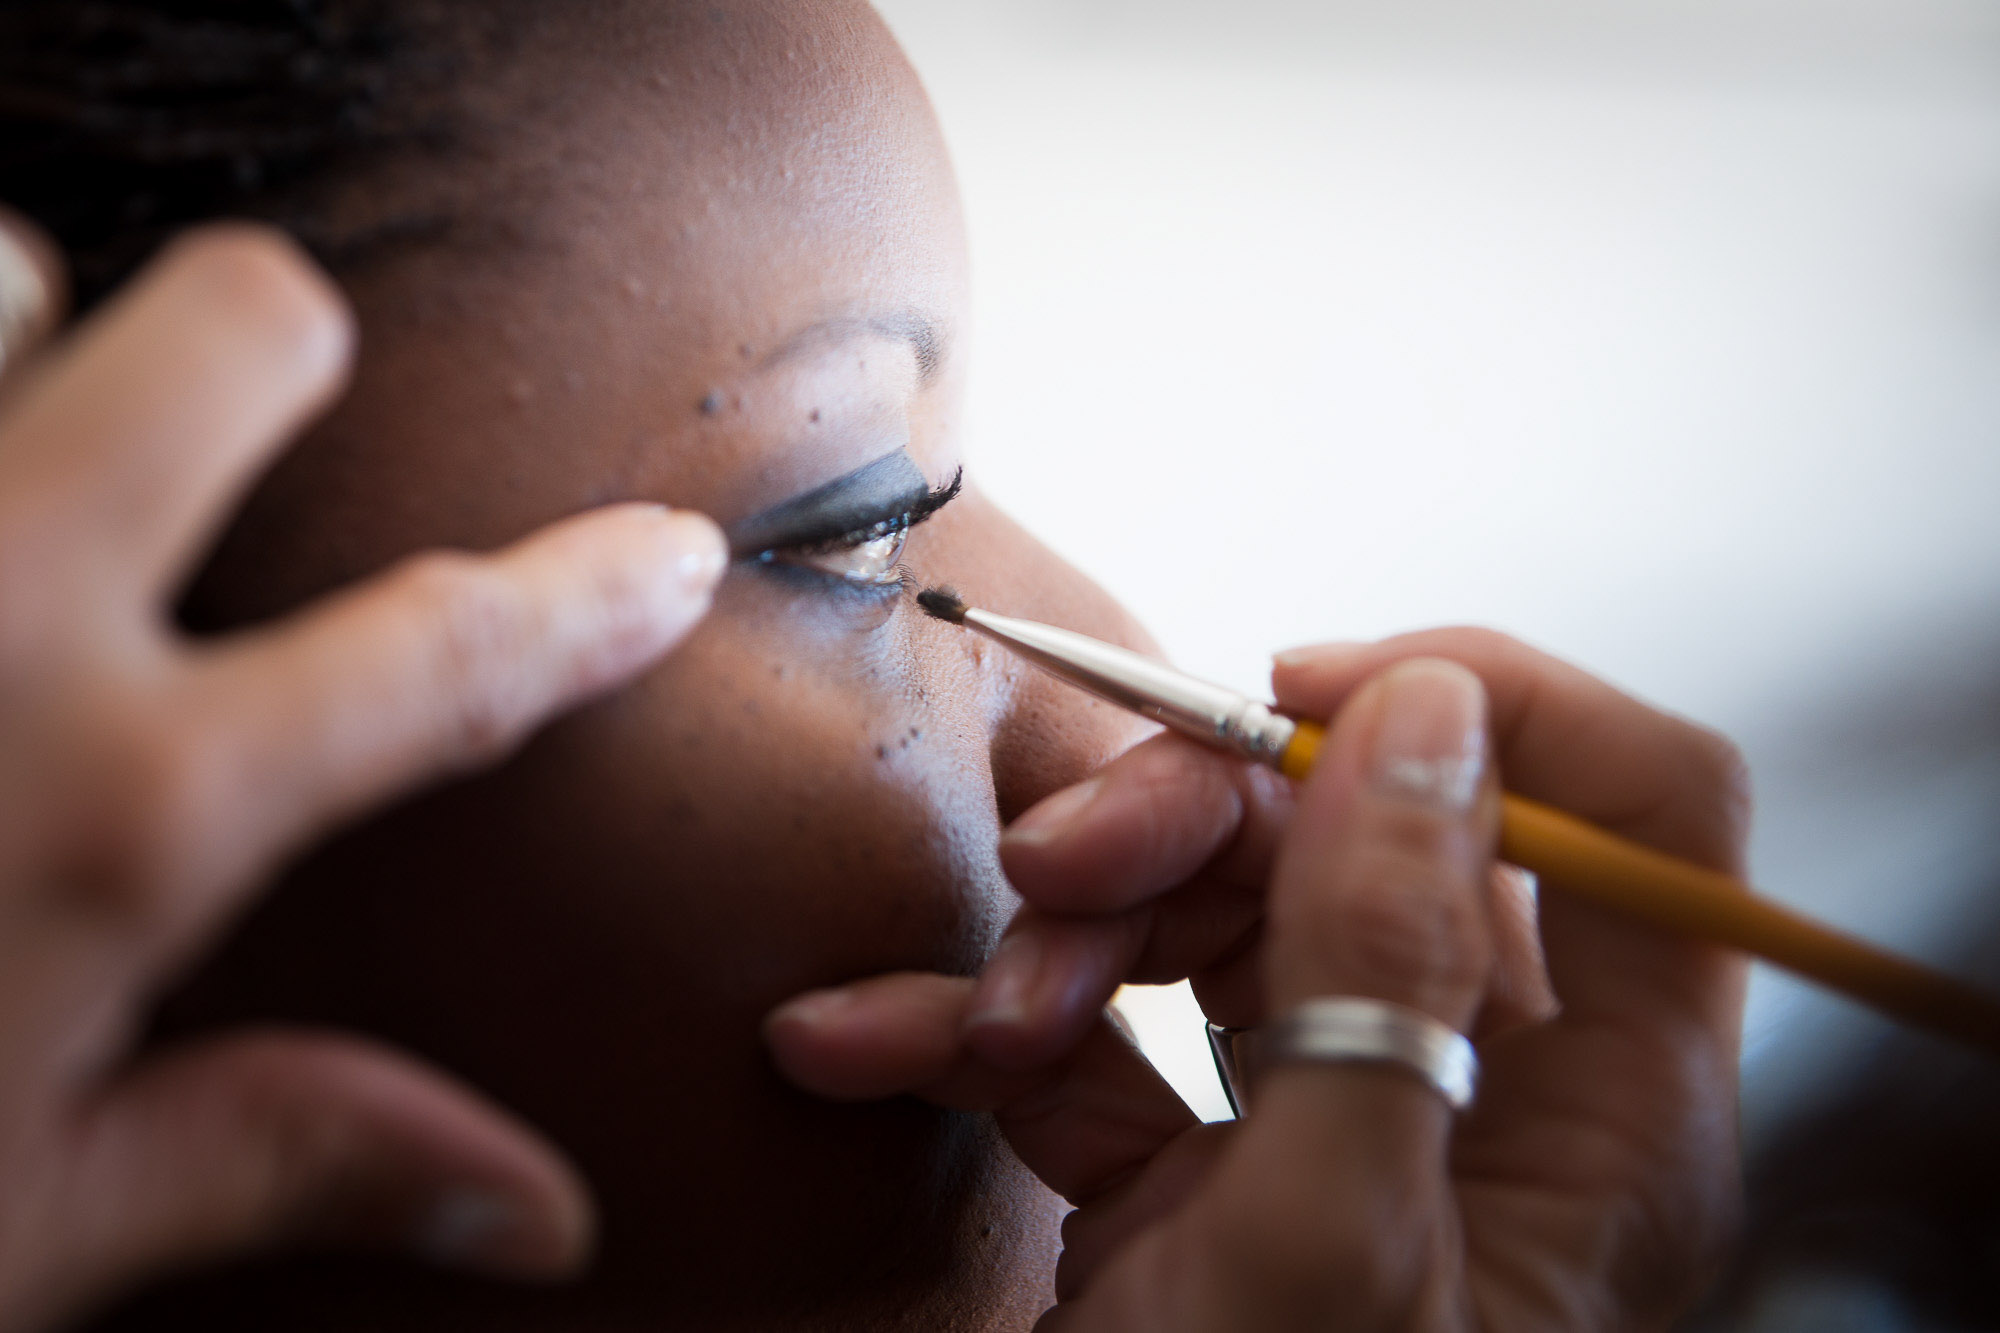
<point x="277" y="1138"/>
<point x="1333" y="1205"/>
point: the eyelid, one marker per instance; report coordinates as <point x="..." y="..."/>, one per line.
<point x="920" y="511"/>
<point x="873" y="492"/>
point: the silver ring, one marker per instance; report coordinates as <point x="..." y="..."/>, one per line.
<point x="24" y="298"/>
<point x="1348" y="1030"/>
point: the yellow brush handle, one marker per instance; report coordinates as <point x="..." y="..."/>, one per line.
<point x="1585" y="862"/>
<point x="1303" y="752"/>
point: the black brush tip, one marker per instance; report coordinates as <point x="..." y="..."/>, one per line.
<point x="944" y="604"/>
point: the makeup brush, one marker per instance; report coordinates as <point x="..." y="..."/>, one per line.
<point x="1583" y="859"/>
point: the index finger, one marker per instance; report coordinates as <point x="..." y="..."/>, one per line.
<point x="138" y="433"/>
<point x="437" y="667"/>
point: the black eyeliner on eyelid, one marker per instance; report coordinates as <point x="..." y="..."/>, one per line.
<point x="912" y="514"/>
<point x="881" y="489"/>
<point x="793" y="562"/>
<point x="882" y="497"/>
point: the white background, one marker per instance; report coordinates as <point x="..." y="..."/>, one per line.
<point x="1664" y="335"/>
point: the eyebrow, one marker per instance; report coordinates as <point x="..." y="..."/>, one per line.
<point x="912" y="327"/>
<point x="874" y="494"/>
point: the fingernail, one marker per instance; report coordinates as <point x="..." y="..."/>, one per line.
<point x="473" y="1228"/>
<point x="703" y="554"/>
<point x="26" y="304"/>
<point x="1009" y="979"/>
<point x="1430" y="739"/>
<point x="815" y="1008"/>
<point x="1317" y="654"/>
<point x="1049" y="820"/>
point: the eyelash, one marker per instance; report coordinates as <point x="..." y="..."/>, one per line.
<point x="889" y="535"/>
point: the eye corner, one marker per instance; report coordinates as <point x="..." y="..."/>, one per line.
<point x="864" y="561"/>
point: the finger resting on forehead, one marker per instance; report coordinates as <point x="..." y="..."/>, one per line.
<point x="435" y="667"/>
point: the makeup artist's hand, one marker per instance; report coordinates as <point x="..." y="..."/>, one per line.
<point x="148" y="781"/>
<point x="1593" y="1184"/>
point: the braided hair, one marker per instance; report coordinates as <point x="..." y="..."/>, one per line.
<point x="124" y="121"/>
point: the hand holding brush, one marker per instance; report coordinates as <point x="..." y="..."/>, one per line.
<point x="1357" y="919"/>
<point x="1580" y="858"/>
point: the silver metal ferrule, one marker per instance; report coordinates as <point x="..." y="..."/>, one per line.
<point x="1211" y="714"/>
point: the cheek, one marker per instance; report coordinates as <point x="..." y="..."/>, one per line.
<point x="793" y="802"/>
<point x="793" y="799"/>
<point x="593" y="934"/>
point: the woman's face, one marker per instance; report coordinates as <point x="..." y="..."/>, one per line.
<point x="715" y="260"/>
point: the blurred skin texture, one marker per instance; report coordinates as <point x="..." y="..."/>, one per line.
<point x="711" y="256"/>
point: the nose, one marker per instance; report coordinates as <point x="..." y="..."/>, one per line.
<point x="1047" y="734"/>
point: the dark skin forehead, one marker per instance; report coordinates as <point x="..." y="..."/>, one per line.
<point x="749" y="281"/>
<point x="767" y="168"/>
